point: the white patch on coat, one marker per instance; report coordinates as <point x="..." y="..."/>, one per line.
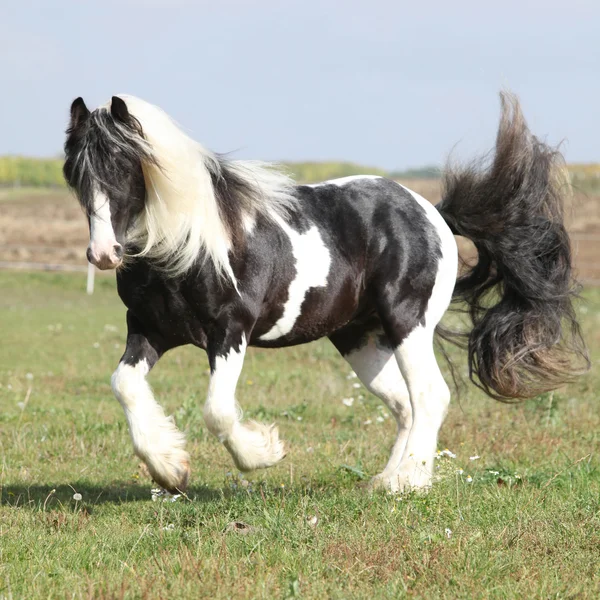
<point x="249" y="222"/>
<point x="312" y="262"/>
<point x="252" y="445"/>
<point x="156" y="439"/>
<point x="102" y="236"/>
<point x="340" y="181"/>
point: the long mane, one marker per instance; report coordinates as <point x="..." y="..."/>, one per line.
<point x="199" y="205"/>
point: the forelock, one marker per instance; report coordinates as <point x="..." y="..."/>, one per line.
<point x="99" y="151"/>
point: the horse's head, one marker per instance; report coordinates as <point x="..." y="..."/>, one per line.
<point x="104" y="154"/>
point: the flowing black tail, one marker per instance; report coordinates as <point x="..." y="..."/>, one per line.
<point x="525" y="337"/>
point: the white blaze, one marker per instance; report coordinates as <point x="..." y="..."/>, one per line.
<point x="102" y="236"/>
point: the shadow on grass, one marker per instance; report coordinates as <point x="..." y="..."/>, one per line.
<point x="36" y="496"/>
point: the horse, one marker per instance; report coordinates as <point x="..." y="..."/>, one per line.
<point x="225" y="254"/>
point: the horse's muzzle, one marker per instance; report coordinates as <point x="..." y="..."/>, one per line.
<point x="104" y="260"/>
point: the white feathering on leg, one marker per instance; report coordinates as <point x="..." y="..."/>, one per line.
<point x="156" y="439"/>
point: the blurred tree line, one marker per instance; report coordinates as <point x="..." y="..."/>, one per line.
<point x="17" y="171"/>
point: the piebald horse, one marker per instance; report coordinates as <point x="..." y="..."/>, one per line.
<point x="227" y="254"/>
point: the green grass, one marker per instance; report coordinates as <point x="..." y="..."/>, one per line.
<point x="530" y="531"/>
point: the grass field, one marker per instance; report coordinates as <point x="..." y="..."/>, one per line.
<point x="521" y="521"/>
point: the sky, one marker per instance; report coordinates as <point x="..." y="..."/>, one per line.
<point x="390" y="84"/>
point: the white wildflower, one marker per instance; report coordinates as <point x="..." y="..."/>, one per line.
<point x="476" y="457"/>
<point x="29" y="376"/>
<point x="96" y="345"/>
<point x="469" y="479"/>
<point x="459" y="471"/>
<point x="347" y="401"/>
<point x="494" y="472"/>
<point x="447" y="453"/>
<point x="169" y="527"/>
<point x="356" y="386"/>
<point x="77" y="497"/>
<point x="351" y="375"/>
<point x="21" y="405"/>
<point x="448" y="532"/>
<point x="367" y="422"/>
<point x="380" y="419"/>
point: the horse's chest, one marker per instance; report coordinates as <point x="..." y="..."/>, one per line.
<point x="163" y="309"/>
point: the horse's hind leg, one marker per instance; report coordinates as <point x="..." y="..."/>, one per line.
<point x="156" y="439"/>
<point x="429" y="398"/>
<point x="409" y="322"/>
<point x="370" y="354"/>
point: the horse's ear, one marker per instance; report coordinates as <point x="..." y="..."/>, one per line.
<point x="118" y="109"/>
<point x="79" y="112"/>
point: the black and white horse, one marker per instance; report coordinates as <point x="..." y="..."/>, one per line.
<point x="229" y="254"/>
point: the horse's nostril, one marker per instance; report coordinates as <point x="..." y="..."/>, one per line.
<point x="118" y="250"/>
<point x="88" y="254"/>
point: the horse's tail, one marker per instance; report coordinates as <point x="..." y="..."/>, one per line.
<point x="525" y="338"/>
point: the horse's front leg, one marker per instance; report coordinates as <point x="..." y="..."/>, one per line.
<point x="156" y="439"/>
<point x="252" y="445"/>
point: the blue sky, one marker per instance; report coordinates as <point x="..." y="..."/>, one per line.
<point x="385" y="83"/>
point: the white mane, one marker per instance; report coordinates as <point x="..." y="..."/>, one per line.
<point x="181" y="222"/>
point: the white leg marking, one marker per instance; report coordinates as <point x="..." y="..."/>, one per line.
<point x="312" y="268"/>
<point x="376" y="366"/>
<point x="429" y="398"/>
<point x="429" y="394"/>
<point x="156" y="439"/>
<point x="252" y="445"/>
